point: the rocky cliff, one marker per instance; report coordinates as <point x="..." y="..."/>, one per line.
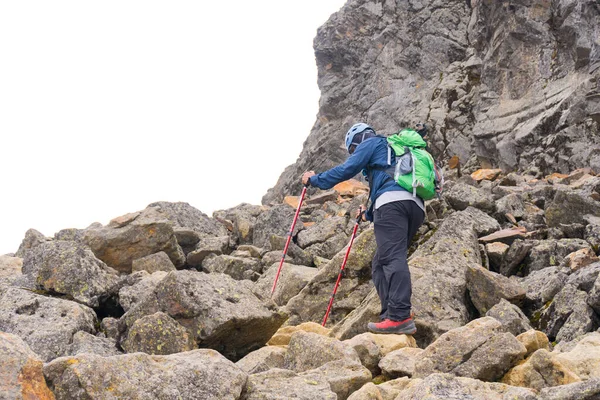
<point x="508" y="84"/>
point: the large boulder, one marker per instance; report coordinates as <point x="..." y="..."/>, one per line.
<point x="478" y="350"/>
<point x="158" y="334"/>
<point x="488" y="288"/>
<point x="237" y="267"/>
<point x="46" y="324"/>
<point x="292" y="279"/>
<point x="142" y="285"/>
<point x="311" y="303"/>
<point x="462" y="195"/>
<point x="344" y="378"/>
<point x="573" y="391"/>
<point x="570" y="206"/>
<point x="70" y="268"/>
<point x="276" y="221"/>
<point x="21" y="375"/>
<point x="263" y="359"/>
<point x="308" y="350"/>
<point x="119" y="245"/>
<point x="584" y="358"/>
<point x="84" y="342"/>
<point x="242" y="219"/>
<point x="32" y="239"/>
<point x="10" y="269"/>
<point x="200" y="374"/>
<point x="218" y="311"/>
<point x="285" y="384"/>
<point x="153" y="263"/>
<point x="511" y="317"/>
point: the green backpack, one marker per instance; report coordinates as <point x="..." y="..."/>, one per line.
<point x="415" y="168"/>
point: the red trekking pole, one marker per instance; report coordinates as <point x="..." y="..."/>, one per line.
<point x="339" y="278"/>
<point x="287" y="243"/>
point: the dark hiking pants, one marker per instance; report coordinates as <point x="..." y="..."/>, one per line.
<point x="395" y="225"/>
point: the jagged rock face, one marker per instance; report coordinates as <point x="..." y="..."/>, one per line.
<point x="514" y="83"/>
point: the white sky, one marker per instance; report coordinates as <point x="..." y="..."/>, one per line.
<point x="108" y="106"/>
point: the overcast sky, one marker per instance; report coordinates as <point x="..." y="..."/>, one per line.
<point x="108" y="106"/>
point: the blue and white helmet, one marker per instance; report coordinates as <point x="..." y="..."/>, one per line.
<point x="355" y="130"/>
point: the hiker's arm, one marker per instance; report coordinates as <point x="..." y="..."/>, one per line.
<point x="353" y="165"/>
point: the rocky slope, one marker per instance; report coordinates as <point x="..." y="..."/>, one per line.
<point x="508" y="84"/>
<point x="170" y="303"/>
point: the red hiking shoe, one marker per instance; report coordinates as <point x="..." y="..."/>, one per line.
<point x="406" y="327"/>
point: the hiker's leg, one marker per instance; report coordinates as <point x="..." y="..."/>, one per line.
<point x="398" y="222"/>
<point x="380" y="284"/>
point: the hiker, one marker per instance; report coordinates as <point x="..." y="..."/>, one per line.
<point x="397" y="215"/>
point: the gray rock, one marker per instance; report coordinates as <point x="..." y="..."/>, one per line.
<point x="84" y="342"/>
<point x="400" y="362"/>
<point x="157" y="334"/>
<point x="356" y="322"/>
<point x="236" y="267"/>
<point x="10" y="269"/>
<point x="207" y="246"/>
<point x="447" y="386"/>
<point x="32" y="239"/>
<point x="311" y="303"/>
<point x="344" y="378"/>
<point x="183" y="216"/>
<point x="196" y="375"/>
<point x="574" y="391"/>
<point x="496" y="252"/>
<point x="511" y="204"/>
<point x="568" y="315"/>
<point x="243" y="218"/>
<point x="518" y="250"/>
<point x="46" y="324"/>
<point x="110" y="328"/>
<point x="511" y="317"/>
<point x="487" y="288"/>
<point x="584" y="278"/>
<point x="322" y="231"/>
<point x="70" y="268"/>
<point x="551" y="252"/>
<point x="292" y="279"/>
<point x="461" y="196"/>
<point x="218" y="311"/>
<point x="277" y="221"/>
<point x="131" y="295"/>
<point x="153" y="263"/>
<point x="569" y="206"/>
<point x="119" y="246"/>
<point x="263" y="359"/>
<point x="543" y="285"/>
<point x="307" y="351"/>
<point x="22" y="376"/>
<point x="280" y="384"/>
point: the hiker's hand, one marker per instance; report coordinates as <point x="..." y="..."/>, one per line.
<point x="361" y="212"/>
<point x="306" y="176"/>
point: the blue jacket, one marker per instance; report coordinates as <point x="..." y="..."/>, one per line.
<point x="371" y="156"/>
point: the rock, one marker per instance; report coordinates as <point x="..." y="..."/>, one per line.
<point x="283" y="335"/>
<point x="10" y="269"/>
<point x="199" y="374"/>
<point x="539" y="371"/>
<point x="511" y="204"/>
<point x="110" y="328"/>
<point x="496" y="252"/>
<point x="307" y="350"/>
<point x="384" y="391"/>
<point x="351" y="187"/>
<point x="356" y="322"/>
<point x="486" y="174"/>
<point x="584" y="358"/>
<point x="510" y="316"/>
<point x="131" y="295"/>
<point x="32" y="239"/>
<point x="218" y="311"/>
<point x="21" y="371"/>
<point x="580" y="258"/>
<point x="311" y="303"/>
<point x="263" y="359"/>
<point x="534" y="340"/>
<point x="569" y="206"/>
<point x="292" y="279"/>
<point x="548" y="253"/>
<point x="84" y="342"/>
<point x="277" y="221"/>
<point x="487" y="288"/>
<point x="119" y="246"/>
<point x="568" y="316"/>
<point x="372" y="347"/>
<point x="507" y="236"/>
<point x="158" y="334"/>
<point x="512" y="262"/>
<point x="573" y="391"/>
<point x="446" y="386"/>
<point x="344" y="378"/>
<point x="543" y="285"/>
<point x="46" y="324"/>
<point x="236" y="267"/>
<point x="322" y="231"/>
<point x="207" y="246"/>
<point x="281" y="383"/>
<point x="321" y="198"/>
<point x="400" y="362"/>
<point x="461" y="196"/>
<point x="153" y="263"/>
<point x="72" y="269"/>
<point x="584" y="279"/>
<point x="478" y="350"/>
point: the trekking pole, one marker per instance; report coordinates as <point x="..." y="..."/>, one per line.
<point x="289" y="238"/>
<point x="339" y="278"/>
